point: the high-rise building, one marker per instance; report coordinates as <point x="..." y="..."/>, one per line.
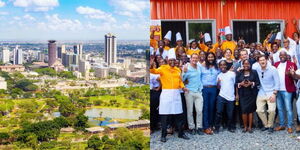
<point x="78" y="50"/>
<point x="52" y="52"/>
<point x="110" y="50"/>
<point x="84" y="68"/>
<point x="60" y="51"/>
<point x="18" y="56"/>
<point x="5" y="55"/>
<point x="41" y="56"/>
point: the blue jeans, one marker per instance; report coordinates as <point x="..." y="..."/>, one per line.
<point x="284" y="103"/>
<point x="209" y="106"/>
<point x="221" y="104"/>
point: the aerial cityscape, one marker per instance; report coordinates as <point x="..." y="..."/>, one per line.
<point x="73" y="74"/>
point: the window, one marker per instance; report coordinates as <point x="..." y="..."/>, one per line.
<point x="255" y="30"/>
<point x="189" y="29"/>
<point x="195" y="27"/>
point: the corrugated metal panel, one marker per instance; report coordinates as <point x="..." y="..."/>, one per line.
<point x="226" y="10"/>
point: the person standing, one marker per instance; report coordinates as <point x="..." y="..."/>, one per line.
<point x="269" y="85"/>
<point x="229" y="43"/>
<point x="226" y="98"/>
<point x="192" y="73"/>
<point x="209" y="92"/>
<point x="247" y="82"/>
<point x="170" y="100"/>
<point x="167" y="40"/>
<point x="286" y="89"/>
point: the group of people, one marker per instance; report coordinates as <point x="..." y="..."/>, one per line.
<point x="204" y="86"/>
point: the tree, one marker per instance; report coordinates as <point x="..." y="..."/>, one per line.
<point x="94" y="142"/>
<point x="46" y="71"/>
<point x="81" y="122"/>
<point x="66" y="108"/>
<point x="3" y="137"/>
<point x="66" y="74"/>
<point x="62" y="122"/>
<point x="145" y="114"/>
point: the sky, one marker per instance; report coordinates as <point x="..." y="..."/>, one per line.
<point x="74" y="19"/>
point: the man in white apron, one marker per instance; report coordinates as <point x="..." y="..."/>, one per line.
<point x="170" y="100"/>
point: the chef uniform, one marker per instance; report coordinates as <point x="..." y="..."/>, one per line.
<point x="204" y="46"/>
<point x="170" y="99"/>
<point x="168" y="37"/>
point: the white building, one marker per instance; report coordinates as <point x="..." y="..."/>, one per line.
<point x="3" y="84"/>
<point x="5" y="55"/>
<point x="101" y="72"/>
<point x="110" y="51"/>
<point x="84" y="68"/>
<point x="18" y="56"/>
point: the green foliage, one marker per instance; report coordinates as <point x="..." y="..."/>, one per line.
<point x="44" y="130"/>
<point x="46" y="71"/>
<point x="3" y="137"/>
<point x="28" y="106"/>
<point x="94" y="142"/>
<point x="26" y="85"/>
<point x="66" y="74"/>
<point x="62" y="122"/>
<point x="124" y="139"/>
<point x="67" y="108"/>
<point x="145" y="114"/>
<point x="81" y="122"/>
<point x="47" y="145"/>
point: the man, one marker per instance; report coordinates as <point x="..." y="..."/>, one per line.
<point x="274" y="56"/>
<point x="161" y="50"/>
<point x="243" y="56"/>
<point x="269" y="81"/>
<point x="179" y="41"/>
<point x="170" y="100"/>
<point x="229" y="43"/>
<point x="206" y="43"/>
<point x="167" y="40"/>
<point x="286" y="89"/>
<point x="192" y="73"/>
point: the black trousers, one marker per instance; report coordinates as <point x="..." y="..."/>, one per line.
<point x="154" y="103"/>
<point x="221" y="103"/>
<point x="178" y="120"/>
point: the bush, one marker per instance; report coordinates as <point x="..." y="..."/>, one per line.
<point x="94" y="142"/>
<point x="47" y="145"/>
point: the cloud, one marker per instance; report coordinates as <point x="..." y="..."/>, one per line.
<point x="2" y="13"/>
<point x="57" y="24"/>
<point x="28" y="17"/>
<point x="95" y="13"/>
<point x="130" y="8"/>
<point x="2" y="3"/>
<point x="36" y="5"/>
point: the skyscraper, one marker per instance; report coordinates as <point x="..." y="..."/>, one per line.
<point x="110" y="50"/>
<point x="52" y="52"/>
<point x="5" y="55"/>
<point x="60" y="51"/>
<point x="18" y="56"/>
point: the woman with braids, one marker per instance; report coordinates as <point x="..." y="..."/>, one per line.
<point x="209" y="80"/>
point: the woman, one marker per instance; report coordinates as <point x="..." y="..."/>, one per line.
<point x="246" y="82"/>
<point x="202" y="56"/>
<point x="179" y="52"/>
<point x="161" y="49"/>
<point x="209" y="79"/>
<point x="227" y="58"/>
<point x="192" y="48"/>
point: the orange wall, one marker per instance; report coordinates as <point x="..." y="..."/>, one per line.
<point x="225" y="10"/>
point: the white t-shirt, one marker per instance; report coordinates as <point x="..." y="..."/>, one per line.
<point x="227" y="85"/>
<point x="290" y="52"/>
<point x="164" y="54"/>
<point x="153" y="81"/>
<point x="281" y="71"/>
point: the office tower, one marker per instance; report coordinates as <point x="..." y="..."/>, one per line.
<point x="110" y="50"/>
<point x="41" y="56"/>
<point x="5" y="55"/>
<point x="18" y="56"/>
<point x="84" y="67"/>
<point x="78" y="50"/>
<point x="52" y="54"/>
<point x="60" y="51"/>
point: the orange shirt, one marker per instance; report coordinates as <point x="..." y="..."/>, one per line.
<point x="169" y="76"/>
<point x="205" y="48"/>
<point x="167" y="48"/>
<point x="153" y="43"/>
<point x="190" y="52"/>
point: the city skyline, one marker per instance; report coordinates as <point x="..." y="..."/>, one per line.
<point x="25" y="20"/>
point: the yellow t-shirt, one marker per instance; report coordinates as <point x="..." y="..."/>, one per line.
<point x="167" y="48"/>
<point x="153" y="43"/>
<point x="191" y="51"/>
<point x="169" y="76"/>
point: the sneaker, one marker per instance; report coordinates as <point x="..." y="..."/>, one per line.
<point x="270" y="130"/>
<point x="208" y="131"/>
<point x="264" y="129"/>
<point x="192" y="131"/>
<point x="200" y="132"/>
<point x="183" y="136"/>
<point x="163" y="139"/>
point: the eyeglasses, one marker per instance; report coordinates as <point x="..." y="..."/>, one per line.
<point x="262" y="74"/>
